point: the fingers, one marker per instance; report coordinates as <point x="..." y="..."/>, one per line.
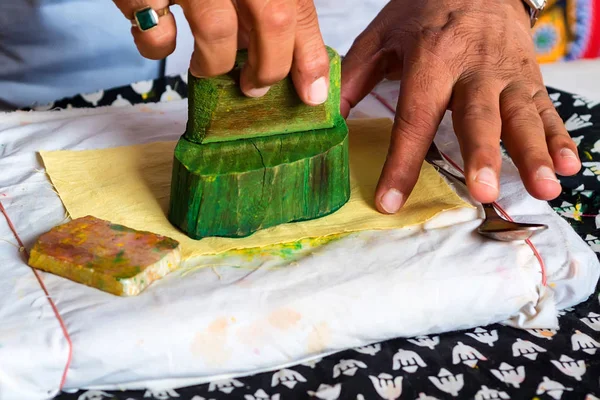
<point x="361" y="69"/>
<point x="214" y="25"/>
<point x="478" y="125"/>
<point x="424" y="96"/>
<point x="155" y="43"/>
<point x="310" y="68"/>
<point x="271" y="43"/>
<point x="524" y="136"/>
<point x="561" y="147"/>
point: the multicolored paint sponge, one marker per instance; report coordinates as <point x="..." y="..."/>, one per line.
<point x="110" y="257"/>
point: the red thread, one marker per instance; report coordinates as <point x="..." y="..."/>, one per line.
<point x="502" y="211"/>
<point x="383" y="101"/>
<point x="505" y="215"/>
<point x="54" y="308"/>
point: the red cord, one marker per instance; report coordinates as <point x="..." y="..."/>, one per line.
<point x="54" y="308"/>
<point x="502" y="211"/>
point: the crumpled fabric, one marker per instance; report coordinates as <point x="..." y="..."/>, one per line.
<point x="235" y="315"/>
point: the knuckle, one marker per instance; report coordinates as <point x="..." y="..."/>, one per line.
<point x="278" y="16"/>
<point x="417" y="127"/>
<point x="431" y="37"/>
<point x="549" y="114"/>
<point x="369" y="42"/>
<point x="541" y="95"/>
<point x="479" y="112"/>
<point x="159" y="39"/>
<point x="316" y="65"/>
<point x="532" y="154"/>
<point x="523" y="121"/>
<point x="486" y="150"/>
<point x="517" y="104"/>
<point x="208" y="69"/>
<point x="561" y="141"/>
<point x="264" y="77"/>
<point x="453" y="30"/>
<point x="526" y="62"/>
<point x="307" y="15"/>
<point x="214" y="26"/>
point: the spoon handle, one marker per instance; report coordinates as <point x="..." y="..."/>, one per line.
<point x="447" y="173"/>
<point x="488" y="208"/>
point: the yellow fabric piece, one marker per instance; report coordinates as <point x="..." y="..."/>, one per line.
<point x="131" y="186"/>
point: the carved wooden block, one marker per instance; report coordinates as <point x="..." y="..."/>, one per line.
<point x="248" y="164"/>
<point x="218" y="111"/>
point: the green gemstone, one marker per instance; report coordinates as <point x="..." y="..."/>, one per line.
<point x="146" y="18"/>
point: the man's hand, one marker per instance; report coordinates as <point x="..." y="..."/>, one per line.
<point x="281" y="36"/>
<point x="477" y="59"/>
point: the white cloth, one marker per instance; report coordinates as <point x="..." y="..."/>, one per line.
<point x="581" y="77"/>
<point x="200" y="325"/>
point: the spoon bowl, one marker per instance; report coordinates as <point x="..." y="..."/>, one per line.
<point x="493" y="226"/>
<point x="497" y="228"/>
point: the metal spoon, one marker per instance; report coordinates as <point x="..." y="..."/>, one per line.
<point x="493" y="226"/>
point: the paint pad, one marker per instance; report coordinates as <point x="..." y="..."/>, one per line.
<point x="106" y="256"/>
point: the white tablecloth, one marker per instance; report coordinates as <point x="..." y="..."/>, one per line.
<point x="376" y="285"/>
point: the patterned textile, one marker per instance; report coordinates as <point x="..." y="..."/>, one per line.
<point x="568" y="30"/>
<point x="492" y="362"/>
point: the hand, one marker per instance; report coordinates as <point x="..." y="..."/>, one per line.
<point x="477" y="59"/>
<point x="281" y="36"/>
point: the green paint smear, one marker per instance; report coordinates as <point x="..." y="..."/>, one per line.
<point x="283" y="250"/>
<point x="119" y="258"/>
<point x="120" y="228"/>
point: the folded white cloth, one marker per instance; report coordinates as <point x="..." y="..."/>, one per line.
<point x="199" y="325"/>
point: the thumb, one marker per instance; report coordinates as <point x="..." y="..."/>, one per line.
<point x="361" y="69"/>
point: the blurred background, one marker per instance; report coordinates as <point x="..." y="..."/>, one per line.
<point x="54" y="49"/>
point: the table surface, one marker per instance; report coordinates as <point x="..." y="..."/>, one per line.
<point x="492" y="362"/>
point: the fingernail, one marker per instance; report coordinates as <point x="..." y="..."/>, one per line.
<point x="257" y="92"/>
<point x="391" y="201"/>
<point x="317" y="93"/>
<point x="568" y="153"/>
<point x="545" y="173"/>
<point x="487" y="176"/>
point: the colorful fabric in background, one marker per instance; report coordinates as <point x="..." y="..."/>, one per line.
<point x="568" y="30"/>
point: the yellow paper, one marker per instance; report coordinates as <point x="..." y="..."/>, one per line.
<point x="131" y="186"/>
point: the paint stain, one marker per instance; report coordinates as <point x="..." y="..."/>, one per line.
<point x="253" y="335"/>
<point x="319" y="338"/>
<point x="284" y="318"/>
<point x="283" y="250"/>
<point x="210" y="344"/>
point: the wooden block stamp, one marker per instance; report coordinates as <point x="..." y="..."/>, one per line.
<point x="246" y="164"/>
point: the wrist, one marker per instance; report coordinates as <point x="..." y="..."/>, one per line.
<point x="534" y="8"/>
<point x="522" y="11"/>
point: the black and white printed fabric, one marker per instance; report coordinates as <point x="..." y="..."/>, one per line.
<point x="491" y="362"/>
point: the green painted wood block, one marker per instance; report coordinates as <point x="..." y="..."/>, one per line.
<point x="218" y="111"/>
<point x="234" y="188"/>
